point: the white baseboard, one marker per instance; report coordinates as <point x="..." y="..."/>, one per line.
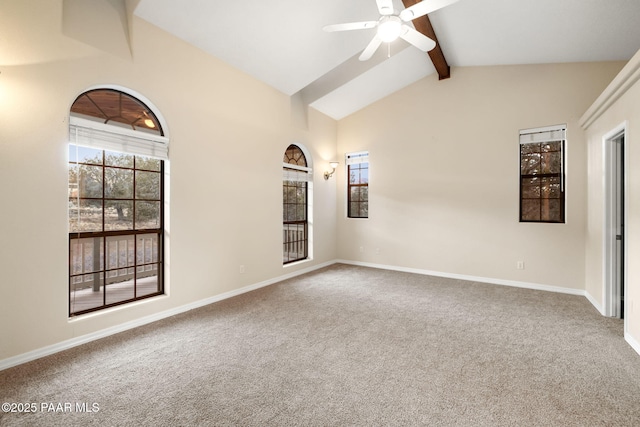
<point x="594" y="303"/>
<point x="632" y="342"/>
<point x="512" y="283"/>
<point x="74" y="342"/>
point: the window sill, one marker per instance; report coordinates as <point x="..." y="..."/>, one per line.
<point x="293" y="264"/>
<point x="114" y="309"/>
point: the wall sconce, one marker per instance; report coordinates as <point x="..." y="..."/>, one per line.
<point x="328" y="174"/>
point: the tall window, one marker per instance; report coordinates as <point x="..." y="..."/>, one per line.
<point x="116" y="201"/>
<point x="295" y="198"/>
<point x="542" y="197"/>
<point x="358" y="185"/>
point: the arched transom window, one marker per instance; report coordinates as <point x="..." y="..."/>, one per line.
<point x="116" y="108"/>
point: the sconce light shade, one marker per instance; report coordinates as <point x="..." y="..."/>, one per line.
<point x="328" y="174"/>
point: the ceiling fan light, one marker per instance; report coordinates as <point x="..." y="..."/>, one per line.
<point x="389" y="29"/>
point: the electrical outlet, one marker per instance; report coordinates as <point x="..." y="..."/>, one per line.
<point x="377" y="251"/>
<point x="520" y="265"/>
<point x="361" y="248"/>
<point x="242" y="270"/>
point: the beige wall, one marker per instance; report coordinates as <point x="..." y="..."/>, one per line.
<point x="620" y="105"/>
<point x="444" y="174"/>
<point x="228" y="135"/>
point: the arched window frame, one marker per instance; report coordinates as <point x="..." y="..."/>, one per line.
<point x="297" y="229"/>
<point x="143" y="240"/>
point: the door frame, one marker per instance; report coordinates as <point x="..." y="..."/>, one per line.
<point x="612" y="292"/>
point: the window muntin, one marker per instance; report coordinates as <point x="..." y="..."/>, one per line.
<point x="358" y="185"/>
<point x="295" y="198"/>
<point x="542" y="195"/>
<point x="116" y="217"/>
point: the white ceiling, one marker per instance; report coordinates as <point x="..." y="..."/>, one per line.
<point x="282" y="43"/>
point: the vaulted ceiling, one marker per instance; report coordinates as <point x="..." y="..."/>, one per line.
<point x="282" y="43"/>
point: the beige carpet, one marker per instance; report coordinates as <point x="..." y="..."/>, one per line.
<point x="348" y="346"/>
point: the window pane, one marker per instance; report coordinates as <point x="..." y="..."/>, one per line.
<point x="301" y="212"/>
<point x="364" y="174"/>
<point x="287" y="212"/>
<point x="79" y="154"/>
<point x="73" y="182"/>
<point x="85" y="215"/>
<point x="118" y="159"/>
<point x="354" y="175"/>
<point x="83" y="297"/>
<point x="120" y="287"/>
<point x="550" y="162"/>
<point x="120" y="253"/>
<point x="530" y="188"/>
<point x="118" y="215"/>
<point x="147" y="249"/>
<point x="147" y="163"/>
<point x="551" y="146"/>
<point x="355" y="209"/>
<point x="86" y="255"/>
<point x="531" y="210"/>
<point x="360" y="194"/>
<point x="90" y="181"/>
<point x="147" y="185"/>
<point x="148" y="284"/>
<point x="550" y="188"/>
<point x="530" y="164"/>
<point x="359" y="174"/>
<point x="550" y="210"/>
<point x="118" y="183"/>
<point x="364" y="193"/>
<point x="355" y="194"/>
<point x="529" y="148"/>
<point x="147" y="215"/>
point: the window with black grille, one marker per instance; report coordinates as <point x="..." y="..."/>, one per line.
<point x="116" y="202"/>
<point x="542" y="181"/>
<point x="358" y="185"/>
<point x="295" y="194"/>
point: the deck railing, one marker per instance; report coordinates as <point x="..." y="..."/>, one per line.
<point x="294" y="238"/>
<point x="88" y="260"/>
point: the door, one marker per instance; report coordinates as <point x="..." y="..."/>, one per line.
<point x="618" y="195"/>
<point x="614" y="224"/>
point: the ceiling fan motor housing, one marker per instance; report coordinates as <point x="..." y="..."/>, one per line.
<point x="389" y="28"/>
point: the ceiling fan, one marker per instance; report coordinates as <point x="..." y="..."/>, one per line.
<point x="391" y="25"/>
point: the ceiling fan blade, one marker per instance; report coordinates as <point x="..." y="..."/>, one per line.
<point x="424" y="7"/>
<point x="385" y="7"/>
<point x="350" y="26"/>
<point x="370" y="49"/>
<point x="417" y="39"/>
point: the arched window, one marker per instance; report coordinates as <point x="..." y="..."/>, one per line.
<point x="117" y="152"/>
<point x="295" y="205"/>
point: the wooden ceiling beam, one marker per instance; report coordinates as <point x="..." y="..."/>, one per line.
<point x="423" y="25"/>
